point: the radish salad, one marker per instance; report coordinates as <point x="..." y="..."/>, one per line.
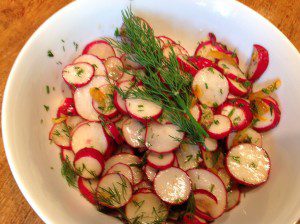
<point x="154" y="134"/>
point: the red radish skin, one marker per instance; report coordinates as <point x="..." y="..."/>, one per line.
<point x="99" y="48"/>
<point x="204" y="48"/>
<point x="143" y="204"/>
<point x="89" y="163"/>
<point x="88" y="189"/>
<point x="160" y="161"/>
<point x="150" y="172"/>
<point x="67" y="108"/>
<point x="190" y="218"/>
<point x="118" y="100"/>
<point x="78" y="74"/>
<point x="134" y="133"/>
<point x="172" y="185"/>
<point x="94" y="61"/>
<point x="186" y="66"/>
<point x="234" y="197"/>
<point x="200" y="63"/>
<point x="114" y="132"/>
<point x="270" y="120"/>
<point x="116" y="118"/>
<point x="123" y="169"/>
<point x="248" y="164"/>
<point x="129" y="160"/>
<point x="236" y="88"/>
<point x="111" y="182"/>
<point x="259" y="62"/>
<point x="210" y="87"/>
<point x="206" y="180"/>
<point x="205" y="201"/>
<point x="114" y="67"/>
<point x="232" y="71"/>
<point x="91" y="134"/>
<point x="162" y="138"/>
<point x="83" y="100"/>
<point x="220" y="128"/>
<point x="59" y="134"/>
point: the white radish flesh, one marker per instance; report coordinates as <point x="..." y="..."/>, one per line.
<point x="234" y="196"/>
<point x="89" y="163"/>
<point x="123" y="169"/>
<point x="60" y="134"/>
<point x="78" y="74"/>
<point x="220" y="128"/>
<point x="237" y="116"/>
<point x="162" y="138"/>
<point x="67" y="155"/>
<point x="172" y="185"/>
<point x="206" y="180"/>
<point x="118" y="100"/>
<point x="99" y="48"/>
<point x="83" y="99"/>
<point x="94" y="61"/>
<point x="248" y="164"/>
<point x="233" y="70"/>
<point x="146" y="208"/>
<point x="90" y="134"/>
<point x="247" y="135"/>
<point x="150" y="172"/>
<point x="210" y="144"/>
<point x="131" y="160"/>
<point x="143" y="185"/>
<point x="225" y="177"/>
<point x="134" y="133"/>
<point x="160" y="161"/>
<point x="210" y="87"/>
<point x="205" y="202"/>
<point x="196" y="112"/>
<point x="73" y="121"/>
<point x="236" y="88"/>
<point x="188" y="156"/>
<point x="114" y="67"/>
<point x="120" y="188"/>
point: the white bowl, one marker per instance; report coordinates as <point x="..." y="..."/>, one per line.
<point x="26" y="140"/>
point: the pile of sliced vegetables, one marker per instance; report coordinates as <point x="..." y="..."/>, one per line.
<point x="132" y="163"/>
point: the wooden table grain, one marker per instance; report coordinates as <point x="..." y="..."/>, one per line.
<point x="20" y="18"/>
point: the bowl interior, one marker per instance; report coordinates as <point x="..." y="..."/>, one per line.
<point x="26" y="123"/>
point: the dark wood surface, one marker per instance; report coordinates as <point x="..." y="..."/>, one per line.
<point x="20" y="18"/>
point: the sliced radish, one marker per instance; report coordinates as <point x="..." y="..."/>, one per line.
<point x="205" y="203"/>
<point x="259" y="62"/>
<point x="120" y="122"/>
<point x="247" y="135"/>
<point x="142" y="110"/>
<point x="204" y="49"/>
<point x="162" y="138"/>
<point x="185" y="65"/>
<point x="104" y="105"/>
<point x="99" y="48"/>
<point x="114" y="67"/>
<point x="165" y="41"/>
<point x="225" y="177"/>
<point x="127" y="76"/>
<point x="234" y="196"/>
<point x="188" y="156"/>
<point x="178" y="50"/>
<point x="232" y="71"/>
<point x="88" y="189"/>
<point x="268" y="120"/>
<point x="160" y="161"/>
<point x="220" y="128"/>
<point x="130" y="64"/>
<point x="206" y="180"/>
<point x="237" y="115"/>
<point x="78" y="74"/>
<point x="146" y="208"/>
<point x="67" y="155"/>
<point x="89" y="163"/>
<point x="207" y="116"/>
<point x="269" y="98"/>
<point x="60" y="134"/>
<point x="113" y="131"/>
<point x="94" y="61"/>
<point x="124" y="149"/>
<point x="67" y="108"/>
<point x="210" y="87"/>
<point x="91" y="135"/>
<point x="116" y="118"/>
<point x="200" y="63"/>
<point x="73" y="121"/>
<point x="196" y="112"/>
<point x="83" y="99"/>
<point x="248" y="164"/>
<point x="237" y="88"/>
<point x="114" y="190"/>
<point x="131" y="160"/>
<point x="143" y="185"/>
<point x="150" y="172"/>
<point x="210" y="144"/>
<point x="190" y="218"/>
<point x="134" y="133"/>
<point x="213" y="160"/>
<point x="123" y="169"/>
<point x="172" y="185"/>
<point x="118" y="100"/>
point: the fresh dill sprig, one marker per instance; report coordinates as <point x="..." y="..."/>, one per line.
<point x="164" y="84"/>
<point x="68" y="172"/>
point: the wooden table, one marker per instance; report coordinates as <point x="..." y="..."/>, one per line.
<point x="20" y="18"/>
